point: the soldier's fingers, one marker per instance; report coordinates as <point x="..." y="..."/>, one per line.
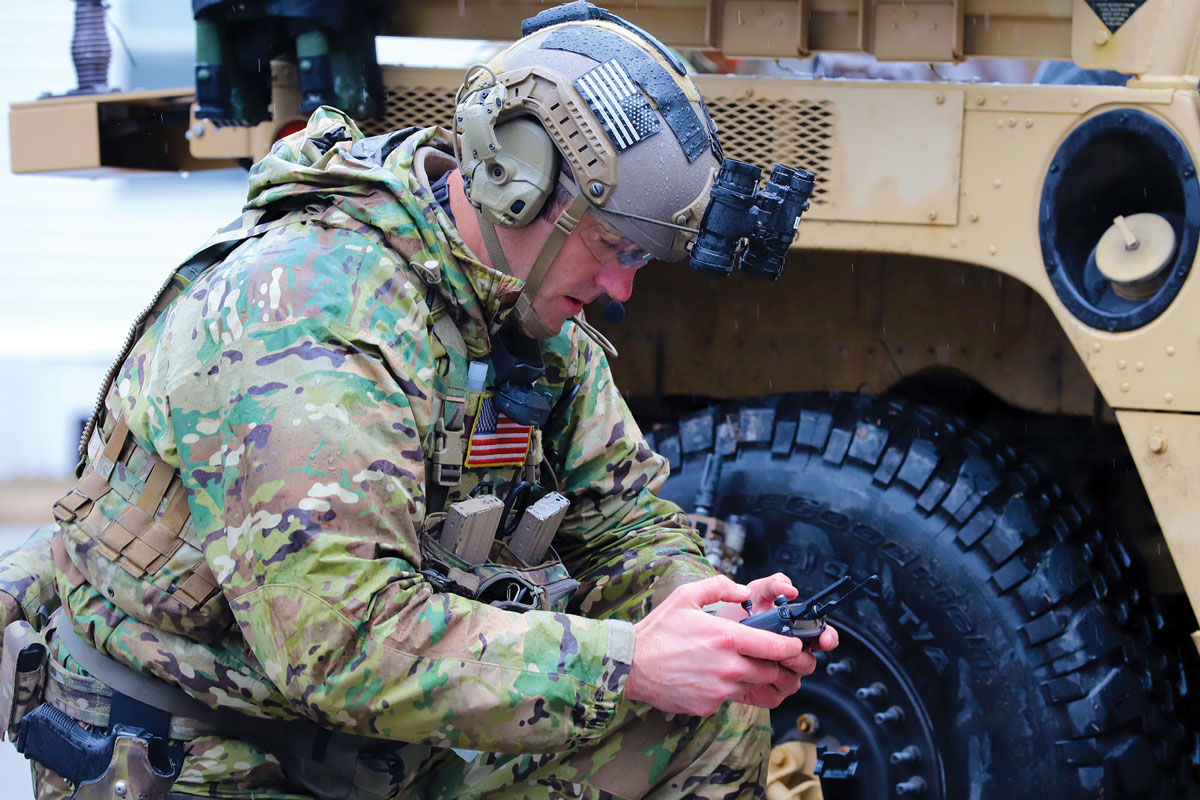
<point x="782" y="584"/>
<point x="762" y="696"/>
<point x="757" y="672"/>
<point x="789" y="681"/>
<point x="829" y="638"/>
<point x="711" y="590"/>
<point x="803" y="664"/>
<point x="756" y="643"/>
<point x="765" y="590"/>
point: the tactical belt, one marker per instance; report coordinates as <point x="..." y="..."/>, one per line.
<point x="322" y="761"/>
<point x="87" y="699"/>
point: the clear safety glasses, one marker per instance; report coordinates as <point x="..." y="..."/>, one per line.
<point x="610" y="248"/>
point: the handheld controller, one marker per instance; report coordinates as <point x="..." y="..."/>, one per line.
<point x="804" y="620"/>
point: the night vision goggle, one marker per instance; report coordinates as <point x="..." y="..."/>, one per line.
<point x="749" y="228"/>
<point x="744" y="226"/>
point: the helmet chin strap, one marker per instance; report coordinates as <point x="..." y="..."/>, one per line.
<point x="563" y="226"/>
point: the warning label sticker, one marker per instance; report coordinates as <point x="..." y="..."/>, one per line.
<point x="1114" y="13"/>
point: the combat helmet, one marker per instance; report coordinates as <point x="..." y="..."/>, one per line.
<point x="598" y="104"/>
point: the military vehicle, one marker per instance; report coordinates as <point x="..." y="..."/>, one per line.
<point x="977" y="376"/>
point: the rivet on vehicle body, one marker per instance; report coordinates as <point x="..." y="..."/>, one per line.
<point x="973" y="216"/>
<point x="1170" y="349"/>
<point x="980" y="99"/>
<point x="1101" y="38"/>
<point x="1168" y="397"/>
<point x="954" y="242"/>
<point x="1029" y="122"/>
<point x="1157" y="444"/>
<point x="1124" y="387"/>
<point x="932" y="215"/>
<point x="939" y="98"/>
<point x="1121" y="364"/>
<point x="997" y="182"/>
<point x="1012" y="122"/>
<point x="1074" y="101"/>
<point x="1139" y="366"/>
<point x="1095" y="347"/>
<point x="992" y="249"/>
<point x="1003" y="98"/>
<point x="1000" y="123"/>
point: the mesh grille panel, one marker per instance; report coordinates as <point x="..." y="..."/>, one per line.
<point x="762" y="131"/>
<point x="412" y="105"/>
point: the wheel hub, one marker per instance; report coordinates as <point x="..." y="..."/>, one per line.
<point x="860" y="707"/>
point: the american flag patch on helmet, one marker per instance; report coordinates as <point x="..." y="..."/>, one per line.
<point x="618" y="103"/>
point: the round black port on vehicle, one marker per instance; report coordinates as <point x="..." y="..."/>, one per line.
<point x="1117" y="164"/>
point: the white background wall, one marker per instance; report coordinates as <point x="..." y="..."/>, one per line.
<point x="79" y="257"/>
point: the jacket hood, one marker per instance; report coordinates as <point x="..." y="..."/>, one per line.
<point x="373" y="182"/>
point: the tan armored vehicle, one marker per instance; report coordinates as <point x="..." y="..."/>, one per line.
<point x="978" y="377"/>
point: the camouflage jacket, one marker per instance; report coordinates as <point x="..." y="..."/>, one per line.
<point x="291" y="385"/>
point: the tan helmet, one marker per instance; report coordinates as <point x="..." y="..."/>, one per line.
<point x="621" y="111"/>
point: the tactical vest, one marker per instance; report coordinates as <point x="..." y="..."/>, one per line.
<point x="473" y="452"/>
<point x="126" y="524"/>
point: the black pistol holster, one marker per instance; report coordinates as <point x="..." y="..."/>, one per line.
<point x="132" y="760"/>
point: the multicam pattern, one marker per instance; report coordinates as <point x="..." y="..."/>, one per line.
<point x="293" y="386"/>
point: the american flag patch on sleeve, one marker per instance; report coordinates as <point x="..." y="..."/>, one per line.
<point x="496" y="441"/>
<point x="618" y="104"/>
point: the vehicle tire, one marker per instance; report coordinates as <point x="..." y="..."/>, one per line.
<point x="1009" y="651"/>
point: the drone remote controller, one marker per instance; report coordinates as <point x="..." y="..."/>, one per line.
<point x="804" y="620"/>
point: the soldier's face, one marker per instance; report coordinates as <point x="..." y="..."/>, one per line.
<point x="593" y="261"/>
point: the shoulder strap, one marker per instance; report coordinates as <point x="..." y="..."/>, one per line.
<point x="445" y="453"/>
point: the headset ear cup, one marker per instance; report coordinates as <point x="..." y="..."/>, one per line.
<point x="510" y="187"/>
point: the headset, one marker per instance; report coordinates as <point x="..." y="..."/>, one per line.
<point x="509" y="170"/>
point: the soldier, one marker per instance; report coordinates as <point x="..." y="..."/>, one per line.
<point x="292" y="566"/>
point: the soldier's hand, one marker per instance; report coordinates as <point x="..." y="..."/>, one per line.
<point x="687" y="661"/>
<point x="763" y="592"/>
